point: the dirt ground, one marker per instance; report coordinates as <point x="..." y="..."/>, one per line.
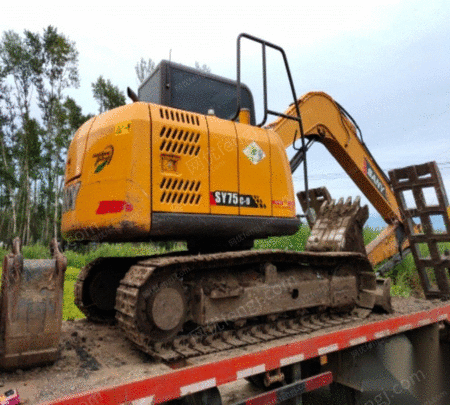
<point x="93" y="355"/>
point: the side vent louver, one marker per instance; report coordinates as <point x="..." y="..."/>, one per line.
<point x="179" y="116"/>
<point x="180" y="191"/>
<point x="179" y="141"/>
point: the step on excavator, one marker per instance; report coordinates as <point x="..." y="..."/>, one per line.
<point x="186" y="161"/>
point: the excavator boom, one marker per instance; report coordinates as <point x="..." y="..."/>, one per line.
<point x="325" y="120"/>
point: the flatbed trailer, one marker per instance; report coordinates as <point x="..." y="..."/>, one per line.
<point x="97" y="365"/>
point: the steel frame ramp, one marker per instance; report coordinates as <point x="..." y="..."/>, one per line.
<point x="421" y="196"/>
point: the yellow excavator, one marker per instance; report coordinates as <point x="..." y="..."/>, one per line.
<point x="186" y="161"/>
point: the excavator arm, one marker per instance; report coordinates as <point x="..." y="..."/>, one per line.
<point x="324" y="120"/>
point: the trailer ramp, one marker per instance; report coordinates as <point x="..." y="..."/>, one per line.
<point x="421" y="195"/>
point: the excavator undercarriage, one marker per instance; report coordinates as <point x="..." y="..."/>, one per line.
<point x="187" y="306"/>
<point x="181" y="305"/>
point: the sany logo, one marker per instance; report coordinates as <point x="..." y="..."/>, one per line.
<point x="103" y="158"/>
<point x="372" y="175"/>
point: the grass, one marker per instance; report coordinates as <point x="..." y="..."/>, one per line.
<point x="406" y="281"/>
<point x="80" y="259"/>
<point x="70" y="310"/>
<point x="405" y="277"/>
<point x="293" y="242"/>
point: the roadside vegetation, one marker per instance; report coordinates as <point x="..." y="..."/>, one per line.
<point x="37" y="121"/>
<point x="404" y="276"/>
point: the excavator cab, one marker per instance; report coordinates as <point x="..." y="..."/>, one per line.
<point x="189" y="89"/>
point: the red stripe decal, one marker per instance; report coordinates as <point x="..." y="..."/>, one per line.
<point x="113" y="207"/>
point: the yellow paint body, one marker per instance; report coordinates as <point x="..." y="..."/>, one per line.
<point x="125" y="175"/>
<point x="142" y="159"/>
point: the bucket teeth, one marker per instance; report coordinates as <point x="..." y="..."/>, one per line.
<point x="338" y="227"/>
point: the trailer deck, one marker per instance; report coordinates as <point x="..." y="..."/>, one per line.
<point x="97" y="365"/>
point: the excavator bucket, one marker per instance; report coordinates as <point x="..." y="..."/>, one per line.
<point x="338" y="227"/>
<point x="312" y="201"/>
<point x="31" y="308"/>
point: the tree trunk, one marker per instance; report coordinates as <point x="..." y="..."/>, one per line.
<point x="10" y="191"/>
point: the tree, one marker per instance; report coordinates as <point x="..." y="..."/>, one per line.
<point x="74" y="115"/>
<point x="59" y="71"/>
<point x="144" y="68"/>
<point x="20" y="61"/>
<point x="107" y="95"/>
<point x="203" y="68"/>
<point x="33" y="149"/>
<point x="8" y="183"/>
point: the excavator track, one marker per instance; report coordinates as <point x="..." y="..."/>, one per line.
<point x="181" y="342"/>
<point x="94" y="294"/>
<point x="90" y="296"/>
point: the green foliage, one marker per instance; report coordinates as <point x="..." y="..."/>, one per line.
<point x="36" y="251"/>
<point x="73" y="114"/>
<point x="3" y="253"/>
<point x="80" y="259"/>
<point x="60" y="60"/>
<point x="369" y="234"/>
<point x="35" y="68"/>
<point x="405" y="277"/>
<point x="107" y="95"/>
<point x="294" y="242"/>
<point x="19" y="58"/>
<point x="298" y="240"/>
<point x="70" y="310"/>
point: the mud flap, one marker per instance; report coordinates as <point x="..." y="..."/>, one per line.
<point x="31" y="308"/>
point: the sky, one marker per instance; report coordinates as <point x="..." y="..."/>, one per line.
<point x="386" y="62"/>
